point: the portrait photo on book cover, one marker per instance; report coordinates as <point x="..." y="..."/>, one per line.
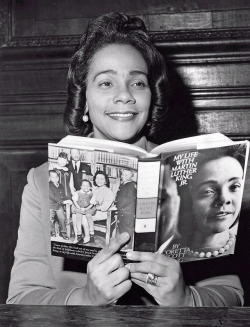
<point x="201" y="199"/>
<point x="92" y="196"/>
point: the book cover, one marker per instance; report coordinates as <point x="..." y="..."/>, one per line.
<point x="182" y="200"/>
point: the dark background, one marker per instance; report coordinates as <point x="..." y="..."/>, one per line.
<point x="205" y="42"/>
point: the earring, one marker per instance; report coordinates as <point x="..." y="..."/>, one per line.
<point x="85" y="118"/>
<point x="148" y="123"/>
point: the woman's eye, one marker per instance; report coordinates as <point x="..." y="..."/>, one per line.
<point x="139" y="84"/>
<point x="105" y="84"/>
<point x="208" y="192"/>
<point x="235" y="187"/>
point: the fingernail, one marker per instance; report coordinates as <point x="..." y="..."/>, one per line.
<point x="127" y="266"/>
<point x="129" y="254"/>
<point x="125" y="236"/>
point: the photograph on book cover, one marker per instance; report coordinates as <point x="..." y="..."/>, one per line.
<point x="92" y="196"/>
<point x="200" y="202"/>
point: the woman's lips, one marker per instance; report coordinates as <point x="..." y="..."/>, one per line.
<point x="221" y="215"/>
<point x="122" y="116"/>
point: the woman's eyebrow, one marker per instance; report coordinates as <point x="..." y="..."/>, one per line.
<point x="137" y="72"/>
<point x="108" y="71"/>
<point x="113" y="72"/>
<point x="208" y="182"/>
<point x="214" y="181"/>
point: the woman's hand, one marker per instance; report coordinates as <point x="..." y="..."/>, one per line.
<point x="170" y="288"/>
<point x="107" y="278"/>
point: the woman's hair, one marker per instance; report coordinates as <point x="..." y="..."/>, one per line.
<point x="115" y="28"/>
<point x="236" y="151"/>
<point x="100" y="172"/>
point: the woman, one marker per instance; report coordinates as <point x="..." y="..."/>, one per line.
<point x="103" y="197"/>
<point x="117" y="90"/>
<point x="215" y="190"/>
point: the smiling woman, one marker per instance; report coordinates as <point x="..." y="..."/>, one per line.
<point x="118" y="95"/>
<point x="117" y="89"/>
<point x="119" y="78"/>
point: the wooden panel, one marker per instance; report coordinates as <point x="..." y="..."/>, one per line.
<point x="166" y="22"/>
<point x="230" y="19"/>
<point x="14" y="165"/>
<point x="31" y="128"/>
<point x="223" y="103"/>
<point x="52" y="22"/>
<point x="232" y="123"/>
<point x="173" y="6"/>
<point x="34" y="80"/>
<point x="71" y="17"/>
<point x="216" y="75"/>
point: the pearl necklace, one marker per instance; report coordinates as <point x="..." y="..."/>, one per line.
<point x="215" y="253"/>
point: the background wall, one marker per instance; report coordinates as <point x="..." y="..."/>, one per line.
<point x="205" y="42"/>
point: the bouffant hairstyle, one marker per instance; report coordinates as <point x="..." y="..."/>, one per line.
<point x="236" y="151"/>
<point x="100" y="172"/>
<point x="116" y="28"/>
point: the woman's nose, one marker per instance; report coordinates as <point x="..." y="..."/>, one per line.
<point x="124" y="95"/>
<point x="222" y="199"/>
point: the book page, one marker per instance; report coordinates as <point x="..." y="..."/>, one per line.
<point x="194" y="142"/>
<point x="92" y="199"/>
<point x="104" y="145"/>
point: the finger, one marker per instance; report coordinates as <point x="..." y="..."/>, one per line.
<point x="111" y="248"/>
<point x="120" y="275"/>
<point x="149" y="256"/>
<point x="113" y="263"/>
<point x="117" y="284"/>
<point x="151" y="289"/>
<point x="146" y="267"/>
<point x="139" y="276"/>
<point x="139" y="282"/>
<point x="122" y="289"/>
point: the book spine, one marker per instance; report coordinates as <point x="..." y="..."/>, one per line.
<point x="147" y="196"/>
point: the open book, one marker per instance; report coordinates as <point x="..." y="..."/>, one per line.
<point x="182" y="199"/>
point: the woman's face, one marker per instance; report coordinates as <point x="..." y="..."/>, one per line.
<point x="118" y="95"/>
<point x="216" y="193"/>
<point x="100" y="180"/>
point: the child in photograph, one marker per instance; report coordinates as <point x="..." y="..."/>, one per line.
<point x="82" y="211"/>
<point x="125" y="203"/>
<point x="63" y="172"/>
<point x="57" y="198"/>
